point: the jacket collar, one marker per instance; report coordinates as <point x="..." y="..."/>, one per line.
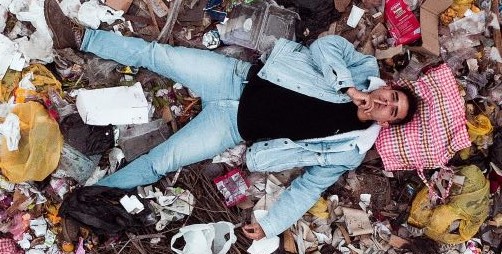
<point x="364" y="139"/>
<point x="375" y="83"/>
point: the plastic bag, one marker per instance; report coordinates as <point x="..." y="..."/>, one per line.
<point x="469" y="208"/>
<point x="42" y="79"/>
<point x="206" y="238"/>
<point x="9" y="84"/>
<point x="99" y="208"/>
<point x="39" y="148"/>
<point x="87" y="139"/>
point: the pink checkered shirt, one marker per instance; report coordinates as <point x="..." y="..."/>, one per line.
<point x="436" y="132"/>
<point x="8" y="246"/>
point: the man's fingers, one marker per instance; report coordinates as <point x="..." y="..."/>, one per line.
<point x="380" y="102"/>
<point x="249" y="227"/>
<point x="368" y="106"/>
<point x="251" y="232"/>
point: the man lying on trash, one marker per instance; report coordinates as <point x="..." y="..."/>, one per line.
<point x="320" y="108"/>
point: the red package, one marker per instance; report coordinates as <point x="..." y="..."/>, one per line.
<point x="401" y="22"/>
<point x="232" y="186"/>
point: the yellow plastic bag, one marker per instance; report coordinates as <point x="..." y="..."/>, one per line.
<point x="469" y="208"/>
<point x="39" y="148"/>
<point x="478" y="126"/>
<point x="42" y="80"/>
<point x="320" y="209"/>
<point x="479" y="129"/>
<point x="9" y="84"/>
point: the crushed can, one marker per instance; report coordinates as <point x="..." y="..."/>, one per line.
<point x="211" y="39"/>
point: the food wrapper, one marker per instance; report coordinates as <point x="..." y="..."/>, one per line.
<point x="402" y="23"/>
<point x="232" y="186"/>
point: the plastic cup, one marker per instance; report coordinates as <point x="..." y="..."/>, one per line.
<point x="355" y="15"/>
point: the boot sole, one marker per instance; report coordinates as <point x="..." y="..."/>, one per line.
<point x="51" y="27"/>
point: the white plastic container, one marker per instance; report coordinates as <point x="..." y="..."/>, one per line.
<point x="258" y="26"/>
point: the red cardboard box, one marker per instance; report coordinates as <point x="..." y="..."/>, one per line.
<point x="401" y="22"/>
<point x="119" y="4"/>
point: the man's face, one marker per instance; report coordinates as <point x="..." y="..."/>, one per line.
<point x="390" y="106"/>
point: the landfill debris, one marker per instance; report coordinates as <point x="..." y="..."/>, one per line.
<point x="464" y="213"/>
<point x="356" y="14"/>
<point x="211" y="39"/>
<point x="86" y="139"/>
<point x="257" y="26"/>
<point x="132" y="137"/>
<point x="132" y="204"/>
<point x="206" y="238"/>
<point x="39" y="147"/>
<point x="233" y="187"/>
<point x="366" y="211"/>
<point x="117" y="106"/>
<point x="265" y="245"/>
<point x="403" y="25"/>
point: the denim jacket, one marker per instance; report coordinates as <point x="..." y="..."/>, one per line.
<point x="320" y="71"/>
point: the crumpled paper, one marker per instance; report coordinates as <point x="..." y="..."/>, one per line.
<point x="11" y="131"/>
<point x="172" y="205"/>
<point x="272" y="192"/>
<point x="233" y="156"/>
<point x="7" y="47"/>
<point x="3" y="17"/>
<point x="91" y="13"/>
<point x="39" y="44"/>
<point x="18" y="49"/>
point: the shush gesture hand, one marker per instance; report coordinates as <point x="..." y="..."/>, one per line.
<point x="363" y="100"/>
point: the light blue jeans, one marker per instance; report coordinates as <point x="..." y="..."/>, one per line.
<point x="217" y="79"/>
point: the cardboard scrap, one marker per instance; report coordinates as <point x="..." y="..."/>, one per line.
<point x="119" y="4"/>
<point x="357" y="221"/>
<point x="115" y="105"/>
<point x="158" y="7"/>
<point x="388" y="53"/>
<point x="289" y="242"/>
<point x="341" y="5"/>
<point x="496" y="221"/>
<point x="397" y="242"/>
<point x="429" y="21"/>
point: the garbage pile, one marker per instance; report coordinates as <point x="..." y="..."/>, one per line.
<point x="69" y="118"/>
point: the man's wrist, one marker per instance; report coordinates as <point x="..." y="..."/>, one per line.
<point x="350" y="91"/>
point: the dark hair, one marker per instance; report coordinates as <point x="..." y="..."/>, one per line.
<point x="412" y="104"/>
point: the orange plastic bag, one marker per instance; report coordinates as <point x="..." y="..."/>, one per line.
<point x="39" y="147"/>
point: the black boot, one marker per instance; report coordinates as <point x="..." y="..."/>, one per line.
<point x="65" y="33"/>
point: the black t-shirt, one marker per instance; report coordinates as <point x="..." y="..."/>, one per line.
<point x="268" y="111"/>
